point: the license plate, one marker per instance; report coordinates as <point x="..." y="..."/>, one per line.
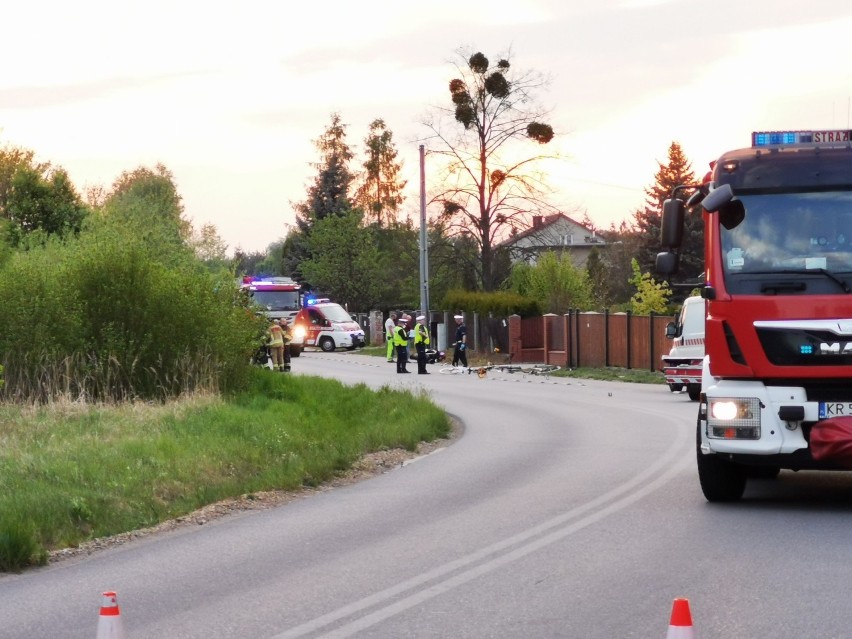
<point x="835" y="409"/>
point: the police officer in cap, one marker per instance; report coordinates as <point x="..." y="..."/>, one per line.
<point x="421" y="341"/>
<point x="400" y="340"/>
<point x="460" y="350"/>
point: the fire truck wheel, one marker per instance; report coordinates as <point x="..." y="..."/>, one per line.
<point x="720" y="480"/>
<point x="295" y="352"/>
<point x="694" y="390"/>
<point x="326" y="344"/>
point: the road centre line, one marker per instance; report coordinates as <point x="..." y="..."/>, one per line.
<point x="673" y="461"/>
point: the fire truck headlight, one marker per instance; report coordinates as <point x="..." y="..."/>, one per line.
<point x="733" y="418"/>
<point x="724" y="410"/>
<point x="299" y="332"/>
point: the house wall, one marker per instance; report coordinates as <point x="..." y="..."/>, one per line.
<point x="562" y="236"/>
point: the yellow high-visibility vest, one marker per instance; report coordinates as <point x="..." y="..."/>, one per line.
<point x="421" y="334"/>
<point x="400" y="336"/>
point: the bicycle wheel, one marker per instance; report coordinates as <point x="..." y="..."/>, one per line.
<point x="452" y="370"/>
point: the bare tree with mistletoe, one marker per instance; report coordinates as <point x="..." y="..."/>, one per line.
<point x="491" y="183"/>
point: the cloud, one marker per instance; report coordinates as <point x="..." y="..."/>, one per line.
<point x="56" y="95"/>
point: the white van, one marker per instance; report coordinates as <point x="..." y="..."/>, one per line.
<point x="326" y="325"/>
<point x="682" y="366"/>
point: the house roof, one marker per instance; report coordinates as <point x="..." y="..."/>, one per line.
<point x="545" y="222"/>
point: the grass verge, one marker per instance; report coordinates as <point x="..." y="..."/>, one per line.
<point x="71" y="473"/>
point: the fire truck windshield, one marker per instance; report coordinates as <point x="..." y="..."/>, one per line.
<point x="277" y="300"/>
<point x="788" y="234"/>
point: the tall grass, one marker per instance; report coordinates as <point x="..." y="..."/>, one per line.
<point x="70" y="472"/>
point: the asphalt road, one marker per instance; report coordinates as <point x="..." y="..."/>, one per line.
<point x="568" y="508"/>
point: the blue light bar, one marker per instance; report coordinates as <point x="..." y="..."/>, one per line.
<point x="801" y="138"/>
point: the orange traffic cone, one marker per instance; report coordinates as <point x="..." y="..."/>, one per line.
<point x="680" y="626"/>
<point x="109" y="622"/>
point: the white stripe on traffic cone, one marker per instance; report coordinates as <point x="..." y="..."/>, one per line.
<point x="109" y="621"/>
<point x="680" y="626"/>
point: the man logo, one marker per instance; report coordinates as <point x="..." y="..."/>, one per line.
<point x="835" y="348"/>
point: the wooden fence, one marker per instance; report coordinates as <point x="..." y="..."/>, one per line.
<point x="591" y="340"/>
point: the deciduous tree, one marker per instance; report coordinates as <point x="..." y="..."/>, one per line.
<point x="344" y="260"/>
<point x="147" y="202"/>
<point x="490" y="185"/>
<point x="43" y="204"/>
<point x="36" y="199"/>
<point x="554" y="282"/>
<point x="651" y="296"/>
<point x="208" y="245"/>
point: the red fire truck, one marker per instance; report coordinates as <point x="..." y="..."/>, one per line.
<point x="776" y="387"/>
<point x="278" y="297"/>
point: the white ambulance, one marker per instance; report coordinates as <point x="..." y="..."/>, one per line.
<point x="327" y="326"/>
<point x="682" y="366"/>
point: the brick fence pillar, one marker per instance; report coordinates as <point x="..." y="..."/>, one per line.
<point x="515" y="338"/>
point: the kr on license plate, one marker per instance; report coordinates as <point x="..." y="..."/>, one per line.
<point x="835" y="409"/>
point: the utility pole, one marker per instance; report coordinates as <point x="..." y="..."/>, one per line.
<point x="424" y="257"/>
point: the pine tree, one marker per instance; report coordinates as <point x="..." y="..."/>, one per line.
<point x="678" y="171"/>
<point x="327" y="196"/>
<point x="380" y="193"/>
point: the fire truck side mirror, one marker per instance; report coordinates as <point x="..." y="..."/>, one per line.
<point x="721" y="200"/>
<point x="667" y="263"/>
<point x="672" y="330"/>
<point x="671" y="224"/>
<point x="717" y="198"/>
<point x="732" y="214"/>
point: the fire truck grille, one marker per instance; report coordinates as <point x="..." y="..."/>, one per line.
<point x="800" y="347"/>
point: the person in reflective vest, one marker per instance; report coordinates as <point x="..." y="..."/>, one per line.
<point x="400" y="340"/>
<point x="390" y="326"/>
<point x="421" y="341"/>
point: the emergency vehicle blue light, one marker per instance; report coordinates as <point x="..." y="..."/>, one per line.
<point x="806" y="349"/>
<point x="310" y="301"/>
<point x="842" y="137"/>
<point x="769" y="138"/>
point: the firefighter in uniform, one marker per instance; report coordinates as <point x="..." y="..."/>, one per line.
<point x="400" y="340"/>
<point x="287" y="337"/>
<point x="421" y="341"/>
<point x="275" y="339"/>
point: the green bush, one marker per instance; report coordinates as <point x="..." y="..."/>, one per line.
<point x="114" y="315"/>
<point x="499" y="303"/>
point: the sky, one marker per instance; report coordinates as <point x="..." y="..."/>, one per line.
<point x="230" y="96"/>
